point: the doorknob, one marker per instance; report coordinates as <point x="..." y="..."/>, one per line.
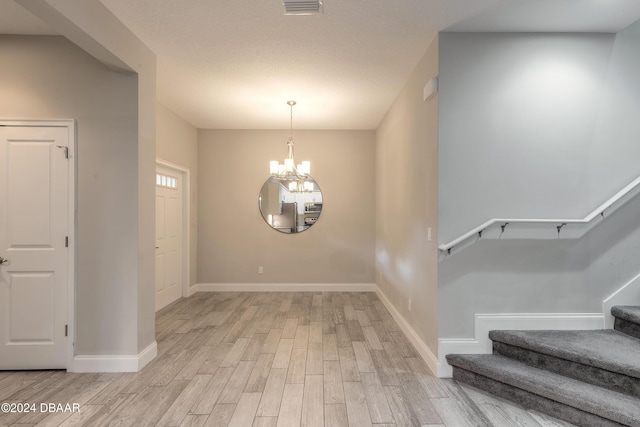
<point x="3" y="260"/>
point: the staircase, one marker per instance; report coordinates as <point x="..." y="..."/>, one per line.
<point x="588" y="378"/>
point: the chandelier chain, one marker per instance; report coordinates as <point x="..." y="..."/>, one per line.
<point x="291" y="104"/>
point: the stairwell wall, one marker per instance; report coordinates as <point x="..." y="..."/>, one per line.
<point x="536" y="126"/>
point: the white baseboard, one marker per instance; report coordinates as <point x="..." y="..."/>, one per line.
<point x="484" y="323"/>
<point x="425" y="352"/>
<point x="286" y="287"/>
<point x="115" y="363"/>
<point x="628" y="294"/>
<point x="193" y="289"/>
<point x="147" y="355"/>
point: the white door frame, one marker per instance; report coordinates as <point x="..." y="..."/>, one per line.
<point x="70" y="124"/>
<point x="186" y="220"/>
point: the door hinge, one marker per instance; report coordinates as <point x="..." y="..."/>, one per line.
<point x="66" y="330"/>
<point x="66" y="241"/>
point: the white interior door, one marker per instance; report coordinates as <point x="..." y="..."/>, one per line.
<point x="34" y="217"/>
<point x="169" y="193"/>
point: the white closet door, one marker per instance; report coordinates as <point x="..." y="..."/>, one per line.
<point x="34" y="216"/>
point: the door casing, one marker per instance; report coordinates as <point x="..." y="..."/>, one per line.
<point x="186" y="212"/>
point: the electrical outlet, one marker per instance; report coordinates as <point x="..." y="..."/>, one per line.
<point x="409" y="304"/>
<point x="260" y="270"/>
<point x="429" y="234"/>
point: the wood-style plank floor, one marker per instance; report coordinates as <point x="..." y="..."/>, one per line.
<point x="267" y="359"/>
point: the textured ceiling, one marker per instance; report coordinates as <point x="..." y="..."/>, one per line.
<point x="233" y="64"/>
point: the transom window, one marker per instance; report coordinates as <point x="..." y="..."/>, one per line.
<point x="166" y="181"/>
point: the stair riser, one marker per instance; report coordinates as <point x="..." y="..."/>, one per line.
<point x="589" y="374"/>
<point x="626" y="327"/>
<point x="532" y="401"/>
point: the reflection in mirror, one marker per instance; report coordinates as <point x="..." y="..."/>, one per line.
<point x="290" y="206"/>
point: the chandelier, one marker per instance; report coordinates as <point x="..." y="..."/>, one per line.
<point x="295" y="178"/>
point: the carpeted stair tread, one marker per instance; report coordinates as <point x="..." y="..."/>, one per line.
<point x="606" y="349"/>
<point x="630" y="313"/>
<point x="595" y="400"/>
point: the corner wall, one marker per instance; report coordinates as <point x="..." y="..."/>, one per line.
<point x="233" y="238"/>
<point x="50" y="77"/>
<point x="406" y="203"/>
<point x="93" y="28"/>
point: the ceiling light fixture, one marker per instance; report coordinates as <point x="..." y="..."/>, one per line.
<point x="296" y="177"/>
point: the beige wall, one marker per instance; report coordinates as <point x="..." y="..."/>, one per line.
<point x="406" y="202"/>
<point x="177" y="142"/>
<point x="233" y="238"/>
<point x="48" y="78"/>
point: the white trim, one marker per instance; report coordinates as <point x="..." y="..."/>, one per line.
<point x="116" y="363"/>
<point x="628" y="294"/>
<point x="71" y="229"/>
<point x="193" y="289"/>
<point x="70" y="124"/>
<point x="147" y="355"/>
<point x="484" y="323"/>
<point x="285" y="287"/>
<point x="186" y="221"/>
<point x="425" y="352"/>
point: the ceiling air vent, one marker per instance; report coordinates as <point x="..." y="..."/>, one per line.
<point x="302" y="7"/>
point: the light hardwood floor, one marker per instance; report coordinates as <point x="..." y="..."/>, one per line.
<point x="267" y="359"/>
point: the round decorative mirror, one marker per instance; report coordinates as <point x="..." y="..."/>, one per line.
<point x="290" y="205"/>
